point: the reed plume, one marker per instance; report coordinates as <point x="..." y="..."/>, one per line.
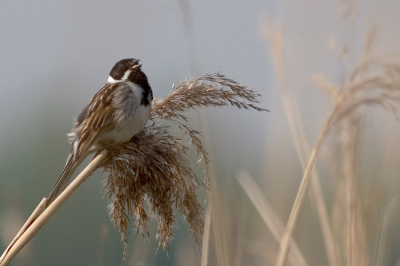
<point x="153" y="166"/>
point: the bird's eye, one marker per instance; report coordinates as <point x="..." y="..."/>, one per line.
<point x="121" y="66"/>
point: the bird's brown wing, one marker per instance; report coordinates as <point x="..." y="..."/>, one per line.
<point x="96" y="119"/>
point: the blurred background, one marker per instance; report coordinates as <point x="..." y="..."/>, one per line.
<point x="56" y="54"/>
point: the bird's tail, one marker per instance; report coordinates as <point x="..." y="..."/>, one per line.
<point x="63" y="181"/>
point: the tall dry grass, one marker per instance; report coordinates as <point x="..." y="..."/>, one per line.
<point x="354" y="224"/>
<point x="348" y="223"/>
<point x="372" y="82"/>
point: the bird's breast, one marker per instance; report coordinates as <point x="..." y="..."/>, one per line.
<point x="131" y="116"/>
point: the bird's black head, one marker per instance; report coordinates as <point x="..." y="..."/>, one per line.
<point x="127" y="70"/>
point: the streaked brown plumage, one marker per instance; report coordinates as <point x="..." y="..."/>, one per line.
<point x="116" y="113"/>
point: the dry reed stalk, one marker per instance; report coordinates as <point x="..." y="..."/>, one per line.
<point x="216" y="222"/>
<point x="355" y="231"/>
<point x="275" y="40"/>
<point x="40" y="221"/>
<point x="356" y="250"/>
<point x="102" y="249"/>
<point x="380" y="251"/>
<point x="286" y="238"/>
<point x="371" y="83"/>
<point x="347" y="9"/>
<point x="38" y="210"/>
<point x="269" y="216"/>
<point x="358" y="207"/>
<point x="241" y="229"/>
<point x="210" y="220"/>
<point x="354" y="207"/>
<point x="349" y="144"/>
<point x="218" y="226"/>
<point x="190" y="37"/>
<point x="206" y="237"/>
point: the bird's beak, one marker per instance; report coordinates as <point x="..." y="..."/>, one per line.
<point x="136" y="64"/>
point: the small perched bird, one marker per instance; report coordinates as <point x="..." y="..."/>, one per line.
<point x="115" y="114"/>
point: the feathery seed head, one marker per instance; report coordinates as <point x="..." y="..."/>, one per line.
<point x="153" y="166"/>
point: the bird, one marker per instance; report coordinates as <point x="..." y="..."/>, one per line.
<point x="115" y="114"/>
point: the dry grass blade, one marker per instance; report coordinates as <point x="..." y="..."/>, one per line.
<point x="206" y="237"/>
<point x="269" y="216"/>
<point x="387" y="213"/>
<point x="275" y="39"/>
<point x="284" y="246"/>
<point x="38" y="210"/>
<point x="153" y="167"/>
<point x="372" y="83"/>
<point x="354" y="244"/>
<point x="218" y="226"/>
<point x="39" y="222"/>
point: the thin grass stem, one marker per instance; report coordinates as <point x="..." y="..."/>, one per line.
<point x="52" y="208"/>
<point x="270" y="218"/>
<point x="275" y="39"/>
<point x="206" y="237"/>
<point x="38" y="210"/>
<point x="298" y="203"/>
